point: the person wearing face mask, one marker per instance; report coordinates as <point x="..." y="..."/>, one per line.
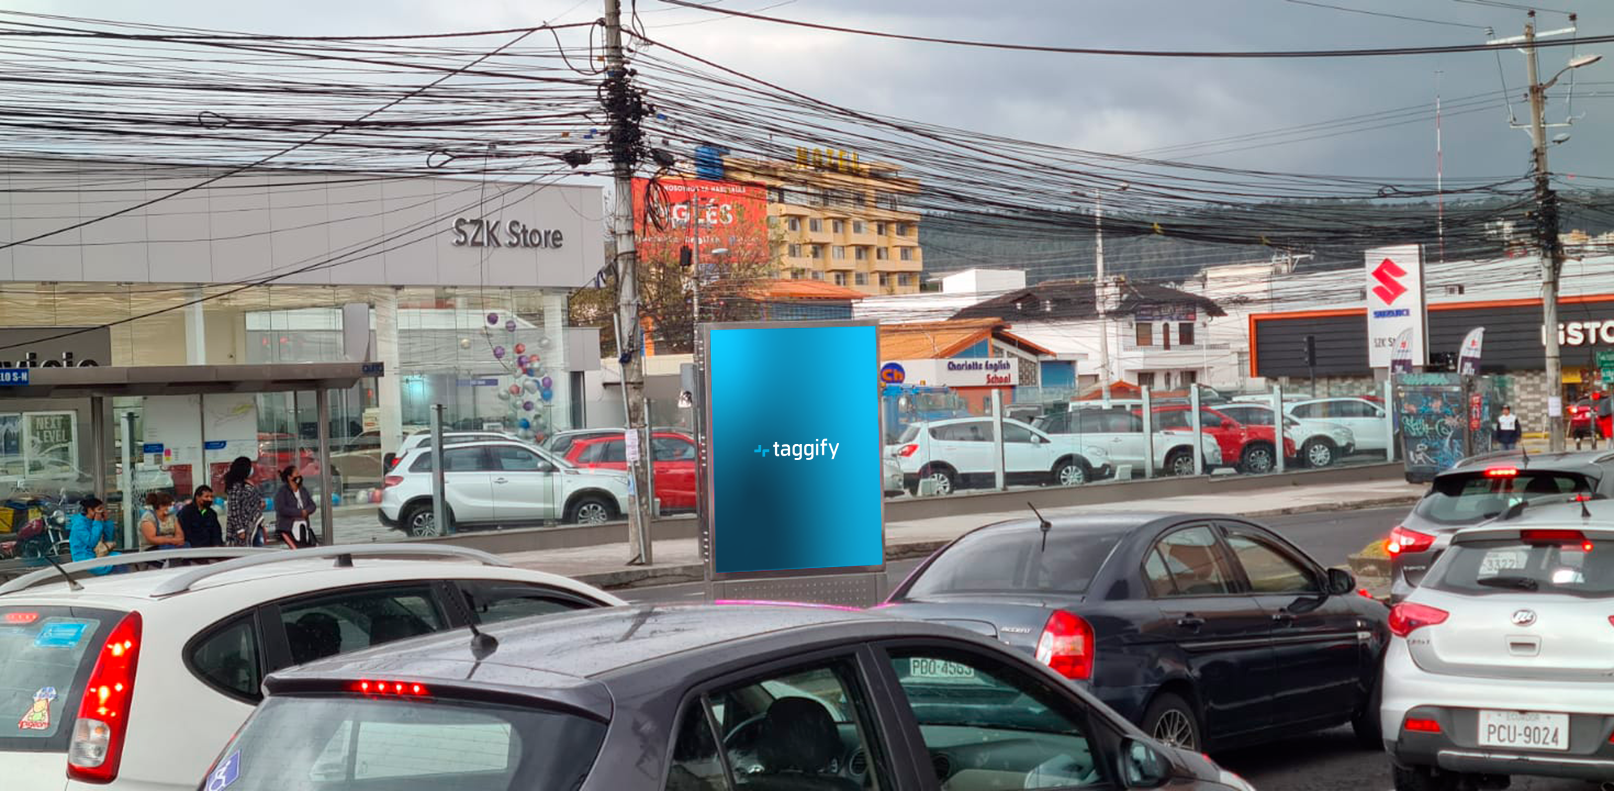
<point x="293" y="507"/>
<point x="201" y="521"/>
<point x="158" y="527"/>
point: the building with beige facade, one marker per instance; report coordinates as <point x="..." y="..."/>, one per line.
<point x="840" y="221"/>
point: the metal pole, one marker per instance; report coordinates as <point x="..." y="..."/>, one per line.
<point x="1199" y="441"/>
<point x="98" y="439"/>
<point x="1278" y="420"/>
<point x="1101" y="294"/>
<point x="998" y="476"/>
<point x="327" y="520"/>
<point x="126" y="480"/>
<point x="439" y="504"/>
<point x="620" y="103"/>
<point x="1148" y="433"/>
<point x="1389" y="419"/>
<point x="1547" y="236"/>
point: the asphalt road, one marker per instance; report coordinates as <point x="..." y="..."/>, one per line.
<point x="1328" y="761"/>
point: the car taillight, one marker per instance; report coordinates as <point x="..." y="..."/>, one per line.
<point x="389" y="689"/>
<point x="391" y="481"/>
<point x="1552" y="537"/>
<point x="1067" y="645"/>
<point x="21" y="617"/>
<point x="1407" y="617"/>
<point x="1404" y="540"/>
<point x="103" y="713"/>
<point x="1419" y="725"/>
<point x="908" y="450"/>
<point x="1502" y="472"/>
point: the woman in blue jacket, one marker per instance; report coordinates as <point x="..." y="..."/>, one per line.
<point x="87" y="529"/>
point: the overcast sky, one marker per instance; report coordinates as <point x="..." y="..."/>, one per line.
<point x="1099" y="103"/>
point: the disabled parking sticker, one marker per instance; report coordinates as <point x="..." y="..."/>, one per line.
<point x="60" y="635"/>
<point x="226" y="774"/>
<point x="38" y="717"/>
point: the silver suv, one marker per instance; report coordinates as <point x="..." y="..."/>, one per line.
<point x="499" y="482"/>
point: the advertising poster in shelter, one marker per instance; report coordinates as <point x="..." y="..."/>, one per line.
<point x="50" y="441"/>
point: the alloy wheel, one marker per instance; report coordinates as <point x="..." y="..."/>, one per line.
<point x="1174" y="729"/>
<point x="1258" y="461"/>
<point x="944" y="484"/>
<point x="1182" y="464"/>
<point x="1072" y="474"/>
<point x="1319" y="455"/>
<point x="592" y="513"/>
<point x="423" y="525"/>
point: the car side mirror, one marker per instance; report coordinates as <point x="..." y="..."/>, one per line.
<point x="1143" y="765"/>
<point x="1340" y="582"/>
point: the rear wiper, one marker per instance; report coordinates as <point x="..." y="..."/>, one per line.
<point x="1515" y="583"/>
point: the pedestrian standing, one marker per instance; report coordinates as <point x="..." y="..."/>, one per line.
<point x="293" y="507"/>
<point x="1507" y="428"/>
<point x="200" y="522"/>
<point x="244" y="505"/>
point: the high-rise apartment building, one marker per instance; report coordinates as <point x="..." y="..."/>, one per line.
<point x="838" y="220"/>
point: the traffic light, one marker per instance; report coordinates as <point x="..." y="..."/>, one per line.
<point x="686" y="257"/>
<point x="1311" y="351"/>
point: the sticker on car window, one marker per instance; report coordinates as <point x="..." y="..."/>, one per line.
<point x="226" y="774"/>
<point x="38" y="716"/>
<point x="60" y="634"/>
<point x="1497" y="561"/>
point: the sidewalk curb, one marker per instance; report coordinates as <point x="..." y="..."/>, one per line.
<point x="633" y="577"/>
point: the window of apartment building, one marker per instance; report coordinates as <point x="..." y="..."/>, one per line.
<point x="817" y="196"/>
<point x="1189" y="377"/>
<point x="858" y="226"/>
<point x="840" y="253"/>
<point x="817" y="251"/>
<point x="1146" y="378"/>
<point x="840" y="278"/>
<point x="795" y="251"/>
<point x="861" y="278"/>
<point x="879" y="229"/>
<point x="885" y="279"/>
<point x="1145" y="333"/>
<point x="1185" y="333"/>
<point x="817" y="275"/>
<point x="881" y="254"/>
<point x="837" y="226"/>
<point x="815" y="225"/>
<point x="904" y="229"/>
<point x="794" y="223"/>
<point x="905" y="279"/>
<point x="776" y="195"/>
<point x="860" y="253"/>
<point x="906" y="253"/>
<point x="798" y="274"/>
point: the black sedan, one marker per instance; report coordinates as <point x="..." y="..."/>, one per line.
<point x="694" y="698"/>
<point x="1207" y="631"/>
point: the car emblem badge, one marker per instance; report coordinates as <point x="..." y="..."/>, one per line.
<point x="1524" y="617"/>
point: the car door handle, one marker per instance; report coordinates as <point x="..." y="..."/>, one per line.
<point x="1283" y="616"/>
<point x="501" y="480"/>
<point x="1190" y="622"/>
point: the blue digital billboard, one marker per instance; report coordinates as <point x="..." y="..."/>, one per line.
<point x="794" y="439"/>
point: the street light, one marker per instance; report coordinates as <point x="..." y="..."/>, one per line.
<point x="1099" y="287"/>
<point x="1574" y="63"/>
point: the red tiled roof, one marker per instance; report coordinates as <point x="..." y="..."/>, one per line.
<point x="808" y="289"/>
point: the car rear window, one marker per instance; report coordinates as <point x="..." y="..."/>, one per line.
<point x="46" y="654"/>
<point x="909" y="434"/>
<point x="1575" y="568"/>
<point x="347" y="744"/>
<point x="1014" y="561"/>
<point x="1468" y="498"/>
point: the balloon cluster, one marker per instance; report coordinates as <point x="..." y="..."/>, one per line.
<point x="531" y="390"/>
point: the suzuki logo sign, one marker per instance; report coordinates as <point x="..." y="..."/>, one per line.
<point x="1395" y="306"/>
<point x="1388" y="275"/>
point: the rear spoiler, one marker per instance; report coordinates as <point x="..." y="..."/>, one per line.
<point x="1518" y="508"/>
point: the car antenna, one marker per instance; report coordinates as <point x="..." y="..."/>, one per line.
<point x="482" y="644"/>
<point x="72" y="584"/>
<point x="1585" y="513"/>
<point x="1043" y="523"/>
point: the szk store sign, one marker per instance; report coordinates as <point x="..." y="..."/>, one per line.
<point x="472" y="232"/>
<point x="1395" y="305"/>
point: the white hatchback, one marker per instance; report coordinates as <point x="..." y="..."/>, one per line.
<point x="136" y="680"/>
<point x="958" y="453"/>
<point x="499" y="482"/>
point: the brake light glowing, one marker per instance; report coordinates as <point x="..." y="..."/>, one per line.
<point x="391" y="481"/>
<point x="1417" y="725"/>
<point x="1404" y="540"/>
<point x="1408" y="617"/>
<point x="908" y="450"/>
<point x="1552" y="537"/>
<point x="1067" y="645"/>
<point x="389" y="689"/>
<point x="103" y="713"/>
<point x="1363" y="592"/>
<point x="21" y="617"/>
<point x="1502" y="472"/>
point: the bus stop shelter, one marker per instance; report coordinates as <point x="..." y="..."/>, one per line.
<point x="97" y="385"/>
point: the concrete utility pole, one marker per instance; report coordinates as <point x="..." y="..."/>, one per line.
<point x="621" y="103"/>
<point x="1101" y="288"/>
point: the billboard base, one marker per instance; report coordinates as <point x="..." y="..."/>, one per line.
<point x="844" y="590"/>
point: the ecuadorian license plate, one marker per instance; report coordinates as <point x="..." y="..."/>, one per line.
<point x="925" y="667"/>
<point x="1524" y="730"/>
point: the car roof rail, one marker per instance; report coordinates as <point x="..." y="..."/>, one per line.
<point x="45" y="575"/>
<point x="344" y="555"/>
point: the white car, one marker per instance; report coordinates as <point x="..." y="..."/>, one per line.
<point x="499" y="482"/>
<point x="1366" y="419"/>
<point x="1318" y="442"/>
<point x="1119" y="431"/>
<point x="135" y="681"/>
<point x="957" y="453"/>
<point x="891" y="475"/>
<point x="1500" y="661"/>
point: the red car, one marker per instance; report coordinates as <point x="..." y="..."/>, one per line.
<point x="672" y="458"/>
<point x="1247" y="448"/>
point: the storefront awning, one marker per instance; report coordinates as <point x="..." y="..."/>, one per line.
<point x="112" y="382"/>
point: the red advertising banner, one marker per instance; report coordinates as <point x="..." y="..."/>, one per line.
<point x="730" y="228"/>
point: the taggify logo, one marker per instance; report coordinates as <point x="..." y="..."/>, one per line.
<point x="800" y="451"/>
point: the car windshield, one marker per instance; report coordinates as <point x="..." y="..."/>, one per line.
<point x="346" y="744"/>
<point x="45" y="656"/>
<point x="1014" y="561"/>
<point x="1575" y="567"/>
<point x="1471" y="497"/>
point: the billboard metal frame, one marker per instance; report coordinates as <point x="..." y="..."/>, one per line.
<point x="708" y="512"/>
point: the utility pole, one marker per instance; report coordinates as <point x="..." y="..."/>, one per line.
<point x="1101" y="295"/>
<point x="1547" y="235"/>
<point x="625" y="108"/>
